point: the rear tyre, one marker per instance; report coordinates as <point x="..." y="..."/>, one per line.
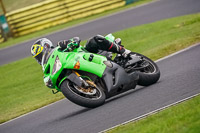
<point x="150" y="74"/>
<point x="91" y="99"/>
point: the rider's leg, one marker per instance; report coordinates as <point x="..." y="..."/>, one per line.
<point x="100" y="43"/>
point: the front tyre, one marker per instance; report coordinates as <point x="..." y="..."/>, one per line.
<point x="150" y="74"/>
<point x="90" y="97"/>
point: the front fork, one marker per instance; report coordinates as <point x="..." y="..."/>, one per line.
<point x="76" y="78"/>
<point x="84" y="83"/>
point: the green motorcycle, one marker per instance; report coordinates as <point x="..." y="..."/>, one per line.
<point x="88" y="79"/>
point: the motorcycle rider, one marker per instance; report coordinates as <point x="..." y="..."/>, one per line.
<point x="42" y="48"/>
<point x="94" y="44"/>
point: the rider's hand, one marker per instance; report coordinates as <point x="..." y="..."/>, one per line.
<point x="63" y="44"/>
<point x="70" y="44"/>
<point x="73" y="43"/>
<point x="66" y="44"/>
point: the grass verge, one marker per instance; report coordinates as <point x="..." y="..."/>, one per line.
<point x="22" y="89"/>
<point x="181" y="118"/>
<point x="14" y="41"/>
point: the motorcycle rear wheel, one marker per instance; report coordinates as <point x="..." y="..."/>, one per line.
<point x="87" y="99"/>
<point x="149" y="75"/>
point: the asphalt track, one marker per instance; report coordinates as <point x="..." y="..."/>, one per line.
<point x="161" y="9"/>
<point x="179" y="79"/>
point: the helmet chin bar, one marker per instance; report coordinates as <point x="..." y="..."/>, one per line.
<point x="46" y="56"/>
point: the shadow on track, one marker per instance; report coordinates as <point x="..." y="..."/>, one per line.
<point x="83" y="110"/>
<point x="72" y="114"/>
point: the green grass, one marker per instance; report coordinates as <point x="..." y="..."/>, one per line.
<point x="162" y="38"/>
<point x="14" y="41"/>
<point x="182" y="118"/>
<point x="22" y="89"/>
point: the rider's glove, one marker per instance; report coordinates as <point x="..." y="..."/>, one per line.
<point x="63" y="44"/>
<point x="69" y="45"/>
<point x="72" y="45"/>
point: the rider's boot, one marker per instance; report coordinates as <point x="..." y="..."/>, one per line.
<point x="126" y="53"/>
<point x="118" y="42"/>
<point x="118" y="48"/>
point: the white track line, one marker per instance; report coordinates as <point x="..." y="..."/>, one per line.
<point x="64" y="99"/>
<point x="178" y="52"/>
<point x="150" y="113"/>
<point x="31" y="112"/>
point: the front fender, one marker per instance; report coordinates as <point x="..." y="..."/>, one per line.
<point x="73" y="78"/>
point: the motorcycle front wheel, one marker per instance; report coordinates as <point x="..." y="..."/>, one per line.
<point x="91" y="97"/>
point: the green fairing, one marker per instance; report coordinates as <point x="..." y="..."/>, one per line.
<point x="68" y="61"/>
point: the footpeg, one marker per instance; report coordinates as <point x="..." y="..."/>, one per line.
<point x="134" y="59"/>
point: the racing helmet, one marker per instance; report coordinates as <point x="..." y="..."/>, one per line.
<point x="39" y="47"/>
